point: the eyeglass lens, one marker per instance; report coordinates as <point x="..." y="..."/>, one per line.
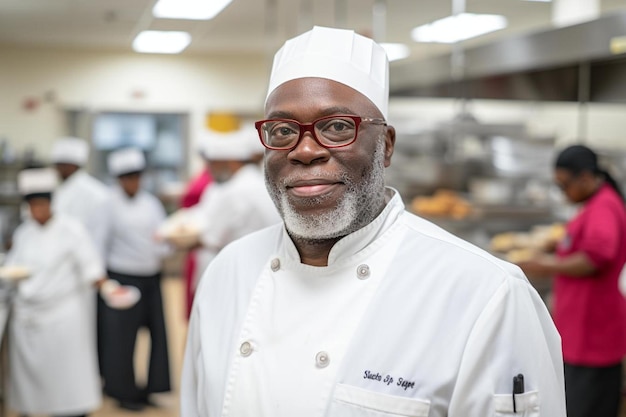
<point x="331" y="132"/>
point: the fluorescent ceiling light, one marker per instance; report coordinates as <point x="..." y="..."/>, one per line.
<point x="159" y="42"/>
<point x="189" y="9"/>
<point x="395" y="51"/>
<point x="458" y="27"/>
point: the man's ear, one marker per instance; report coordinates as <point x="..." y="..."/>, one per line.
<point x="390" y="142"/>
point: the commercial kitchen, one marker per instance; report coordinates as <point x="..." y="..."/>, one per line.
<point x="479" y="118"/>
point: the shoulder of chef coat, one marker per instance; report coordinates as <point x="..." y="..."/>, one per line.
<point x="143" y="197"/>
<point x="73" y="229"/>
<point x="454" y="244"/>
<point x="81" y="184"/>
<point x="20" y="234"/>
<point x="96" y="188"/>
<point x="68" y="228"/>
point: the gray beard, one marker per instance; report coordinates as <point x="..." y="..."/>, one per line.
<point x="359" y="206"/>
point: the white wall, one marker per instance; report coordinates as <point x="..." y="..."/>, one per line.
<point x="62" y="79"/>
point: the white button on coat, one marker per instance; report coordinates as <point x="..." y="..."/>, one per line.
<point x="322" y="359"/>
<point x="245" y="349"/>
<point x="275" y="265"/>
<point x="363" y="271"/>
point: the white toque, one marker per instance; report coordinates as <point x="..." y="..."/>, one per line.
<point x="70" y="151"/>
<point x="125" y="161"/>
<point x="37" y="181"/>
<point x="336" y="54"/>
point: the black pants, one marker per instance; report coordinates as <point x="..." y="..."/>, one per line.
<point x="117" y="334"/>
<point x="593" y="392"/>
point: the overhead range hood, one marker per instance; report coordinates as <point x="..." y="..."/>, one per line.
<point x="586" y="62"/>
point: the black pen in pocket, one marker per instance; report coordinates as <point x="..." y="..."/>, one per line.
<point x="518" y="388"/>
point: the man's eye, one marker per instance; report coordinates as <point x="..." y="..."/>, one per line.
<point x="283" y="130"/>
<point x="338" y="126"/>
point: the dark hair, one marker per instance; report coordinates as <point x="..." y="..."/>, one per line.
<point x="579" y="158"/>
<point x="30" y="196"/>
<point x="130" y="174"/>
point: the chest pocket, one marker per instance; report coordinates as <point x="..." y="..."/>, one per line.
<point x="526" y="404"/>
<point x="351" y="401"/>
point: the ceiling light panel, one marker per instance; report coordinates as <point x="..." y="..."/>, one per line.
<point x="458" y="28"/>
<point x="189" y="9"/>
<point x="160" y="42"/>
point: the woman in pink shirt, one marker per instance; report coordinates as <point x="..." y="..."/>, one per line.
<point x="589" y="310"/>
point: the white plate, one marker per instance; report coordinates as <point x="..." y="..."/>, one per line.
<point x="14" y="273"/>
<point x="123" y="297"/>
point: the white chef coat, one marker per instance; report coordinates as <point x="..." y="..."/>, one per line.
<point x="439" y="328"/>
<point x="83" y="197"/>
<point x="230" y="210"/>
<point x="132" y="246"/>
<point x="5" y="293"/>
<point x="52" y="347"/>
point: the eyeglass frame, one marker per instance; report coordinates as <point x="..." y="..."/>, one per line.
<point x="310" y="127"/>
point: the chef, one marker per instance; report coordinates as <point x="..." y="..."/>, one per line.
<point x="133" y="257"/>
<point x="53" y="365"/>
<point x="79" y="195"/>
<point x="354" y="306"/>
<point x="237" y="203"/>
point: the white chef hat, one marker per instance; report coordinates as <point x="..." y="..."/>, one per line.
<point x="125" y="161"/>
<point x="70" y="151"/>
<point x="241" y="145"/>
<point x="37" y="181"/>
<point x="335" y="54"/>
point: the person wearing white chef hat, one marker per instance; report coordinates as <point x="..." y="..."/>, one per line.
<point x="236" y="204"/>
<point x="52" y="347"/>
<point x="133" y="257"/>
<point x="354" y="306"/>
<point x="79" y="195"/>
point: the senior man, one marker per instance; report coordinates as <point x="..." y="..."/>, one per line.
<point x="355" y="307"/>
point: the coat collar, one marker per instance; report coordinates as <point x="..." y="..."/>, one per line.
<point x="359" y="240"/>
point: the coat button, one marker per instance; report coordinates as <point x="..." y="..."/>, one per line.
<point x="245" y="349"/>
<point x="275" y="265"/>
<point x="321" y="359"/>
<point x="363" y="271"/>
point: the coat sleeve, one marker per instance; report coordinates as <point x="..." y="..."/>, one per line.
<point x="99" y="225"/>
<point x="513" y="335"/>
<point x="13" y="256"/>
<point x="190" y="379"/>
<point x="89" y="261"/>
<point x="161" y="248"/>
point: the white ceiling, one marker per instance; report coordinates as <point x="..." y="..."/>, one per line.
<point x="248" y="26"/>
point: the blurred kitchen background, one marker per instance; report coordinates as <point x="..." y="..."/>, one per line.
<point x="478" y="119"/>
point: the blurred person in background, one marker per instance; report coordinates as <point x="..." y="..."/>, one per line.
<point x="589" y="309"/>
<point x="353" y="306"/>
<point x="53" y="366"/>
<point x="134" y="257"/>
<point x="79" y="195"/>
<point x="191" y="196"/>
<point x="237" y="203"/>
